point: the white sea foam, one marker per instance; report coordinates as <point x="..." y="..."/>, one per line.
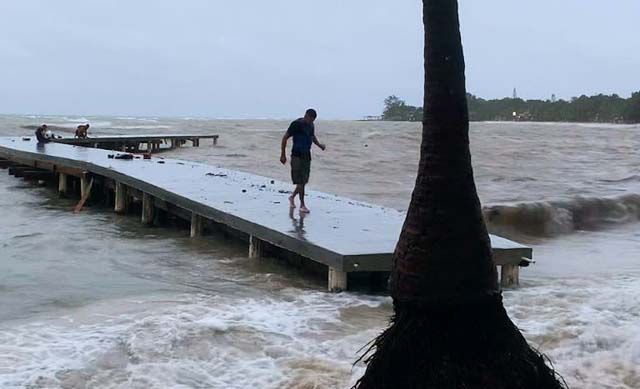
<point x="590" y="328"/>
<point x="74" y="122"/>
<point x="75" y="119"/>
<point x="288" y="341"/>
<point x="301" y="339"/>
<point x="142" y="119"/>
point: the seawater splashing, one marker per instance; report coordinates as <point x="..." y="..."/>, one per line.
<point x="588" y="326"/>
<point x="550" y="218"/>
<point x="195" y="340"/>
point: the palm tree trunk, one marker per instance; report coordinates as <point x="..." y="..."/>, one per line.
<point x="444" y="252"/>
<point x="449" y="329"/>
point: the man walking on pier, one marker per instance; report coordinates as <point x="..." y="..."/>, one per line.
<point x="303" y="133"/>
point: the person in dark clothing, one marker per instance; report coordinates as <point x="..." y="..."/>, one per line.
<point x="303" y="133"/>
<point x="40" y="134"/>
<point x="82" y="131"/>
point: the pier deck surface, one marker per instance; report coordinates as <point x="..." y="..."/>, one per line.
<point x="344" y="234"/>
<point x="133" y="138"/>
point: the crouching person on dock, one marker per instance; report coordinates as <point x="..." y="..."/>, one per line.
<point x="41" y="134"/>
<point x="303" y="133"/>
<point x="82" y="131"/>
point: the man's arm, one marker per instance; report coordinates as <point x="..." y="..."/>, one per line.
<point x="283" y="147"/>
<point x="317" y="143"/>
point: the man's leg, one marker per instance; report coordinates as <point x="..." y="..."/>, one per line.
<point x="296" y="178"/>
<point x="304" y="170"/>
<point x="303" y="207"/>
<point x="292" y="198"/>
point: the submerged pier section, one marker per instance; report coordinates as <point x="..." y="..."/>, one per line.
<point x="137" y="143"/>
<point x="343" y="236"/>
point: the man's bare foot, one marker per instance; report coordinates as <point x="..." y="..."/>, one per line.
<point x="292" y="203"/>
<point x="304" y="209"/>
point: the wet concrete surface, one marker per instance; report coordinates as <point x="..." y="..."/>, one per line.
<point x="133" y="138"/>
<point x="346" y="234"/>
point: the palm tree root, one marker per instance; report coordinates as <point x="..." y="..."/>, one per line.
<point x="465" y="345"/>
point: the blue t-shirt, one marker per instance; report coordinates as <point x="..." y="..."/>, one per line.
<point x="302" y="133"/>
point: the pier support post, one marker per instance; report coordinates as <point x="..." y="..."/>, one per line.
<point x="255" y="247"/>
<point x="121" y="198"/>
<point x="509" y="276"/>
<point x="84" y="187"/>
<point x="196" y="225"/>
<point x="62" y="184"/>
<point x="147" y="209"/>
<point x="337" y="280"/>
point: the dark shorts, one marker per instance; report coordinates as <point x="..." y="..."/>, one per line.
<point x="300" y="168"/>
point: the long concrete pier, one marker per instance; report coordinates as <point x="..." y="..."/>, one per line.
<point x="343" y="235"/>
<point x="134" y="143"/>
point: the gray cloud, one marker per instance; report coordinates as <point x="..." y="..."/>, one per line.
<point x="274" y="58"/>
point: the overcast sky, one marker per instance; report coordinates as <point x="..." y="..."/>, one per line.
<point x="258" y="58"/>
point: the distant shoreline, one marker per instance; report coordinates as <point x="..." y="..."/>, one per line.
<point x="509" y="121"/>
<point x="600" y="108"/>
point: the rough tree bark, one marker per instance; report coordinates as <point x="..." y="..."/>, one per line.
<point x="449" y="328"/>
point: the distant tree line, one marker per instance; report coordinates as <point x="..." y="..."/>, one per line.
<point x="599" y="108"/>
<point x="397" y="110"/>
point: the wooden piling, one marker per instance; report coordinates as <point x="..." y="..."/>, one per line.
<point x="509" y="276"/>
<point x="84" y="187"/>
<point x="121" y="198"/>
<point x="196" y="225"/>
<point x="337" y="280"/>
<point x="85" y="195"/>
<point x="255" y="247"/>
<point x="63" y="183"/>
<point x="147" y="209"/>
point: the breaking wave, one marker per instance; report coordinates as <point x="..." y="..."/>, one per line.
<point x="548" y="218"/>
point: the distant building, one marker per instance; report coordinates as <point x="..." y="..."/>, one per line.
<point x="522" y="116"/>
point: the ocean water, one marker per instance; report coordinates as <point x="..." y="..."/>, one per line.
<point x="96" y="300"/>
